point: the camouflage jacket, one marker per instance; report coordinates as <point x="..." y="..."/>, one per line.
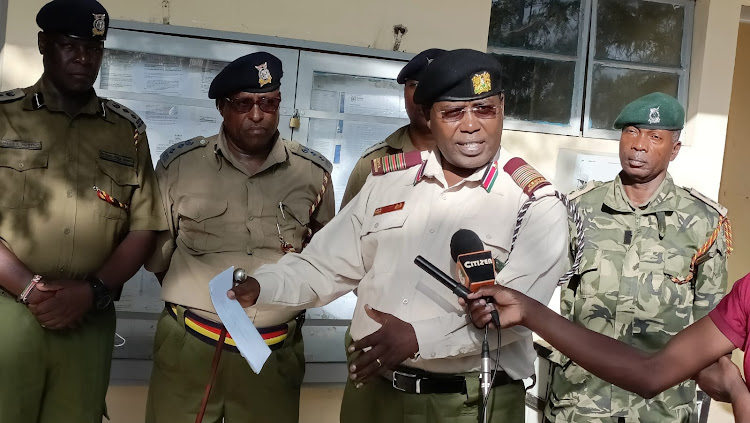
<point x="628" y="287"/>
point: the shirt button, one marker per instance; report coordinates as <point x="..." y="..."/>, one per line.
<point x="20" y="165"/>
<point x="71" y="158"/>
<point x="197" y="215"/>
<point x="432" y="230"/>
<point x="433" y="355"/>
<point x="61" y="268"/>
<point x="250" y="218"/>
<point x="376" y="225"/>
<point x="405" y="301"/>
<point x="70" y="194"/>
<point x="66" y="231"/>
<point x="442" y="196"/>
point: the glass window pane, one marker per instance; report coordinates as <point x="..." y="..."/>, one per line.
<point x="359" y="95"/>
<point x="639" y="31"/>
<point x="540" y="25"/>
<point x="613" y="88"/>
<point x="539" y="90"/>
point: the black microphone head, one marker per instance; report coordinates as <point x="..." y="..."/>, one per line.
<point x="465" y="241"/>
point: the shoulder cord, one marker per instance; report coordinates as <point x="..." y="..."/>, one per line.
<point x="577" y="220"/>
<point x="727" y="227"/>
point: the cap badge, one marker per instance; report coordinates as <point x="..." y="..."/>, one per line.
<point x="654" y="116"/>
<point x="98" y="27"/>
<point x="264" y="75"/>
<point x="481" y="82"/>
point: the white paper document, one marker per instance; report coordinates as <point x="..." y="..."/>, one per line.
<point x="248" y="339"/>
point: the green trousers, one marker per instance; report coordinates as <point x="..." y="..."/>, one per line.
<point x="49" y="376"/>
<point x="182" y="366"/>
<point x="378" y="401"/>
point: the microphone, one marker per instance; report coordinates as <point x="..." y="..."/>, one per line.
<point x="474" y="265"/>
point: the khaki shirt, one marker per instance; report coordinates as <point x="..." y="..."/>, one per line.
<point x="374" y="253"/>
<point x="397" y="142"/>
<point x="626" y="289"/>
<point x="220" y="216"/>
<point x="50" y="215"/>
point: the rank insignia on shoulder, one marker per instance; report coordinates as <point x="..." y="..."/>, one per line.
<point x="309" y="154"/>
<point x="525" y="176"/>
<point x="715" y="205"/>
<point x="590" y="185"/>
<point x="394" y="162"/>
<point x="12" y="95"/>
<point x="128" y="114"/>
<point x="374" y="147"/>
<point x="176" y="150"/>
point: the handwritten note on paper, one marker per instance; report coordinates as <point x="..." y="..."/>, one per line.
<point x="245" y="335"/>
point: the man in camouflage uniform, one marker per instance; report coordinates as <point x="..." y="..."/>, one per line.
<point x="654" y="261"/>
<point x="414" y="136"/>
<point x="241" y="198"/>
<point x="78" y="210"/>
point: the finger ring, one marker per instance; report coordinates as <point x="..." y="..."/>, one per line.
<point x="379" y="363"/>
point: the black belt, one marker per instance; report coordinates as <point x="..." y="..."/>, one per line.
<point x="419" y="382"/>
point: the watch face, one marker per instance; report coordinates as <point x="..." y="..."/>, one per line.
<point x="103" y="302"/>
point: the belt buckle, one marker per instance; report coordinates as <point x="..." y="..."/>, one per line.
<point x="418" y="388"/>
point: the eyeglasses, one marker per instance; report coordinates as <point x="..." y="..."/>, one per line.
<point x="482" y="111"/>
<point x="244" y="105"/>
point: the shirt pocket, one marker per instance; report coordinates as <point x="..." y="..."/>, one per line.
<point x="675" y="289"/>
<point x="119" y="181"/>
<point x="384" y="222"/>
<point x="201" y="224"/>
<point x="22" y="178"/>
<point x="293" y="219"/>
<point x="589" y="273"/>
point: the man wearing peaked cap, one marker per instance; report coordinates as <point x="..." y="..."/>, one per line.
<point x="244" y="197"/>
<point x="78" y="210"/>
<point x="414" y="136"/>
<point x="412" y="356"/>
<point x="654" y="261"/>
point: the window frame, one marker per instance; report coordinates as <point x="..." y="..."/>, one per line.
<point x="573" y="128"/>
<point x="683" y="72"/>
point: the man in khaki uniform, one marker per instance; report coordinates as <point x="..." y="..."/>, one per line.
<point x="415" y="357"/>
<point x="242" y="198"/>
<point x="414" y="136"/>
<point x="78" y="207"/>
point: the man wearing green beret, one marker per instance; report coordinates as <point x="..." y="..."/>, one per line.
<point x="78" y="210"/>
<point x="654" y="261"/>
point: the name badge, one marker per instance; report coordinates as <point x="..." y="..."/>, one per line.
<point x="21" y="145"/>
<point x="116" y="158"/>
<point x="388" y="209"/>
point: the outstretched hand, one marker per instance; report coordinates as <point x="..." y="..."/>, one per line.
<point x="508" y="302"/>
<point x="390" y="345"/>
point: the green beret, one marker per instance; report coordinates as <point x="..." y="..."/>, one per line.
<point x="459" y="75"/>
<point x="253" y="73"/>
<point x="86" y="19"/>
<point x="653" y="111"/>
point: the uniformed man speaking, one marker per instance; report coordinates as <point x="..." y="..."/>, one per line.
<point x="415" y="358"/>
<point x="654" y="261"/>
<point x="78" y="207"/>
<point x="242" y="198"/>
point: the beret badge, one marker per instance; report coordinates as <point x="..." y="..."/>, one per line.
<point x="99" y="24"/>
<point x="264" y="75"/>
<point x="654" y="116"/>
<point x="481" y="82"/>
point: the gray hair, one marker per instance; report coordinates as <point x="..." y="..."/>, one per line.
<point x="676" y="135"/>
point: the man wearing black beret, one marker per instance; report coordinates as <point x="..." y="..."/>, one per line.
<point x="415" y="356"/>
<point x="78" y="211"/>
<point x="242" y="198"/>
<point x="414" y="136"/>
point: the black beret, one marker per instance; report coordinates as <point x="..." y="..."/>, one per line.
<point x="417" y="65"/>
<point x="460" y="75"/>
<point x="86" y="19"/>
<point x="255" y="73"/>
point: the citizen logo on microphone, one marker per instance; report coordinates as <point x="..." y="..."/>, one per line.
<point x="475" y="263"/>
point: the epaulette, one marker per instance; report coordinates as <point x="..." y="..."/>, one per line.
<point x="309" y="154"/>
<point x="394" y="162"/>
<point x="128" y="114"/>
<point x="12" y="95"/>
<point x="176" y="150"/>
<point x="374" y="148"/>
<point x="525" y="176"/>
<point x="719" y="208"/>
<point x="590" y="185"/>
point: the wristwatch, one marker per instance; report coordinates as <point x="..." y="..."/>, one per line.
<point x="102" y="297"/>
